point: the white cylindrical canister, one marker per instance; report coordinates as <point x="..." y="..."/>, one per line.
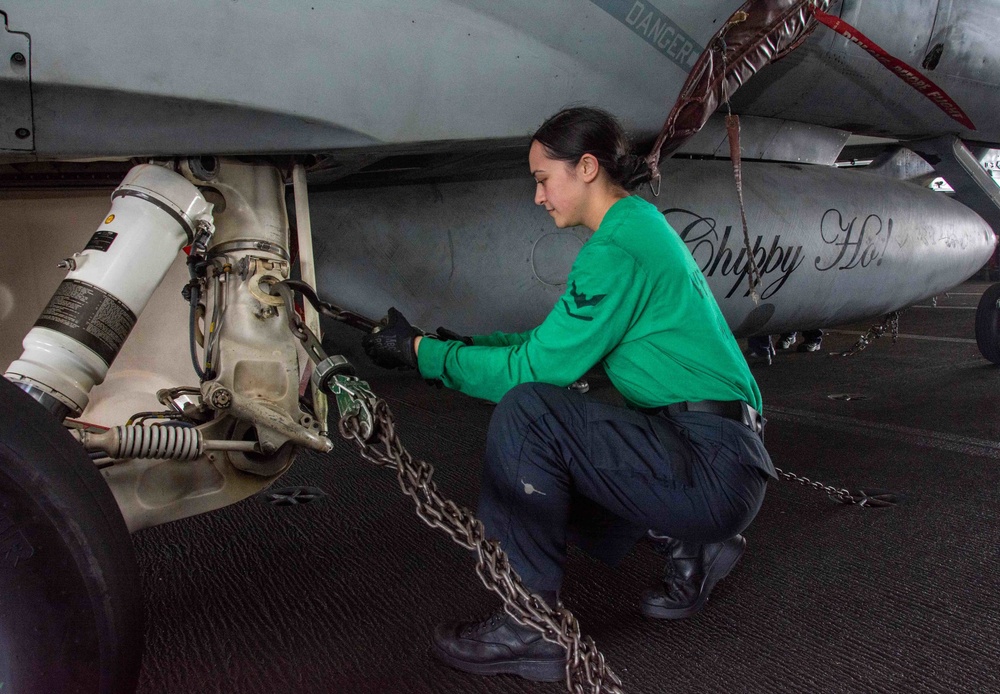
<point x="154" y="213"/>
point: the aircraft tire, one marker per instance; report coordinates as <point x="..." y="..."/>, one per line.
<point x="71" y="616"/>
<point x="988" y="324"/>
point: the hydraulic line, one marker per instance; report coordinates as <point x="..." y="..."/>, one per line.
<point x="219" y="305"/>
<point x="192" y="330"/>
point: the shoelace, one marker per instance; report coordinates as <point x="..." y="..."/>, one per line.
<point x="477" y="628"/>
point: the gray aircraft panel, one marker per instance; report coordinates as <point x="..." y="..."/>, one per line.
<point x="966" y="28"/>
<point x="138" y="77"/>
<point x="902" y="28"/>
<point x="770" y="139"/>
<point x="839" y="85"/>
<point x="349" y="72"/>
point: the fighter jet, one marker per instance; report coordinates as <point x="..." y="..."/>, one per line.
<point x="401" y="130"/>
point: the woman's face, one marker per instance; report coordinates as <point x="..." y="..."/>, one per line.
<point x="558" y="186"/>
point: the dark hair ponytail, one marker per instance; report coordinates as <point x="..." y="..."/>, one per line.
<point x="573" y="132"/>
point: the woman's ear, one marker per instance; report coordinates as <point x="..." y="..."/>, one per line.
<point x="588" y="167"/>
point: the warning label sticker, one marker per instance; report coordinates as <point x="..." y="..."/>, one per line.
<point x="101" y="240"/>
<point x="89" y="315"/>
<point x="656" y="28"/>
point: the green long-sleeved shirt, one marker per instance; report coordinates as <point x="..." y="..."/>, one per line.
<point x="636" y="303"/>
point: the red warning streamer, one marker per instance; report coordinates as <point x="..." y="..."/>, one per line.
<point x="906" y="73"/>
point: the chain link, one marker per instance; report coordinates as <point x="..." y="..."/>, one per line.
<point x="841" y="495"/>
<point x="861" y="498"/>
<point x="890" y="322"/>
<point x="586" y="671"/>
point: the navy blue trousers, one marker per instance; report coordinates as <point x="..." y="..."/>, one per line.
<point x="562" y="467"/>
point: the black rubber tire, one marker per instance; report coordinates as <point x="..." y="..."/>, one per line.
<point x="70" y="594"/>
<point x="988" y="324"/>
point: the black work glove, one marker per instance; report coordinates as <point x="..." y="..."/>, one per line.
<point x="392" y="346"/>
<point x="446" y="334"/>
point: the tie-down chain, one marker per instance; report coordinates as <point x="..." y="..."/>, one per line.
<point x="367" y="420"/>
<point x="890" y="322"/>
<point x="861" y="498"/>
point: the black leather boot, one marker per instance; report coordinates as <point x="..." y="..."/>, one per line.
<point x="500" y="645"/>
<point x="691" y="572"/>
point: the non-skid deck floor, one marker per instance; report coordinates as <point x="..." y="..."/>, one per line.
<point x="341" y="594"/>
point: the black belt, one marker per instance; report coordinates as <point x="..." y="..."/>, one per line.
<point x="730" y="409"/>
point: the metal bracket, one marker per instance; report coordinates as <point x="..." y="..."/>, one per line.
<point x="263" y="270"/>
<point x="274" y="426"/>
<point x="17" y="129"/>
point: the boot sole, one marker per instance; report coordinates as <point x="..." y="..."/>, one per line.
<point x="727" y="558"/>
<point x="534" y="670"/>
